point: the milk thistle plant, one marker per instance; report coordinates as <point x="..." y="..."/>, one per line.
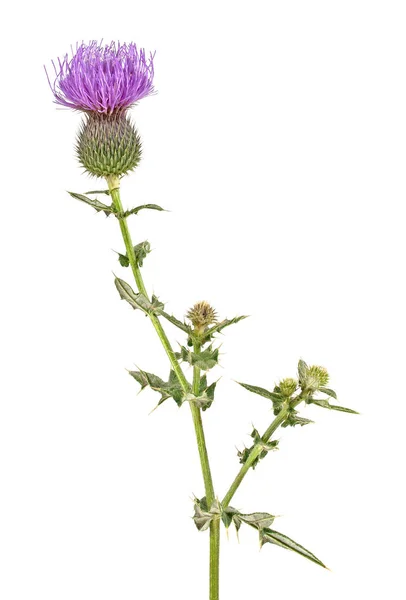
<point x="104" y="82"/>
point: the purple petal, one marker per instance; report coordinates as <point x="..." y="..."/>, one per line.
<point x="103" y="79"/>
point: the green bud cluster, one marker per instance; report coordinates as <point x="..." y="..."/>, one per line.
<point x="108" y="144"/>
<point x="313" y="378"/>
<point x="288" y="387"/>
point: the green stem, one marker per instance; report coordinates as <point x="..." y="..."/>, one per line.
<point x="114" y="183"/>
<point x="255" y="452"/>
<point x="215" y="524"/>
<point x="197" y="420"/>
<point x="214" y="559"/>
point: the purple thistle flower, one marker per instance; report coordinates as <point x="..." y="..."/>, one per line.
<point x="103" y="79"/>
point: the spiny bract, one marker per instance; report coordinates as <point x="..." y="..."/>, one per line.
<point x="108" y="144"/>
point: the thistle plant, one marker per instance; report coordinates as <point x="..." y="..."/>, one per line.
<point x="104" y="82"/>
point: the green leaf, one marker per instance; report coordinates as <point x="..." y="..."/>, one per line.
<point x="326" y="404"/>
<point x="258" y="441"/>
<point x="261" y="391"/>
<point x="210" y="392"/>
<point x="137" y="300"/>
<point x="275" y="537"/>
<point x="148" y="379"/>
<point x="127" y="293"/>
<point x="176" y="322"/>
<point x="302" y="369"/>
<point x="203" y="383"/>
<point x="140" y="250"/>
<point x="294" y="419"/>
<point x="202" y="401"/>
<point x="136" y="210"/>
<point x="220" y="326"/>
<point x="205" y="360"/>
<point x="156" y="305"/>
<point x="237" y="522"/>
<point x="98" y="206"/>
<point x="230" y="515"/>
<point x="329" y="392"/>
<point x="107" y="192"/>
<point x="203" y="517"/>
<point x="167" y="389"/>
<point x="244" y="454"/>
<point x="343" y="409"/>
<point x="123" y="260"/>
<point x="207" y="391"/>
<point x="259" y="520"/>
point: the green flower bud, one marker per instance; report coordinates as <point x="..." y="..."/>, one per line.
<point x="202" y="315"/>
<point x="108" y="144"/>
<point x="288" y="387"/>
<point x="314" y="378"/>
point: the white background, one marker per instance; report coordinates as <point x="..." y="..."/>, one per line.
<point x="277" y="141"/>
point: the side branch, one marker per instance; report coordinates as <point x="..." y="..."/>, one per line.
<point x="254" y="454"/>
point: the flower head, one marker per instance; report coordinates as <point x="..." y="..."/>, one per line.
<point x="202" y="315"/>
<point x="103" y="78"/>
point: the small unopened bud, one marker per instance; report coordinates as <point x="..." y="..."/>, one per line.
<point x="314" y="378"/>
<point x="108" y="144"/>
<point x="202" y="315"/>
<point x="288" y="387"/>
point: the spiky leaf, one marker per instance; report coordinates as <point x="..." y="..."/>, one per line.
<point x="207" y="392"/>
<point x="262" y="392"/>
<point x="137" y="300"/>
<point x="210" y="390"/>
<point x="205" y="360"/>
<point x="204" y="517"/>
<point x="123" y="260"/>
<point x="326" y="404"/>
<point x="275" y="537"/>
<point x="202" y="401"/>
<point x="258" y="441"/>
<point x="167" y="389"/>
<point x="106" y="192"/>
<point x="203" y="383"/>
<point x="181" y="325"/>
<point x="127" y="293"/>
<point x="148" y="379"/>
<point x="136" y="210"/>
<point x="230" y="515"/>
<point x="329" y="392"/>
<point x="140" y="251"/>
<point x="93" y="202"/>
<point x="293" y="419"/>
<point x="220" y="326"/>
<point x="302" y="369"/>
<point x="343" y="409"/>
<point x="259" y="520"/>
